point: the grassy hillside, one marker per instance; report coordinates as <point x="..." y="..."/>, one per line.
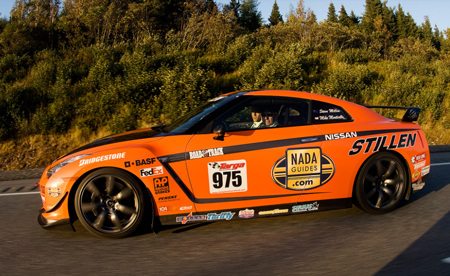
<point x="64" y="84"/>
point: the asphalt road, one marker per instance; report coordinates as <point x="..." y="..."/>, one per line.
<point x="412" y="240"/>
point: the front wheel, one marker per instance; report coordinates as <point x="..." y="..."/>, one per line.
<point x="109" y="203"/>
<point x="381" y="183"/>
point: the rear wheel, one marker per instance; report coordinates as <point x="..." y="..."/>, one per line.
<point x="381" y="183"/>
<point x="109" y="203"/>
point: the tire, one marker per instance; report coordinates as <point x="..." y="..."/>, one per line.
<point x="381" y="183"/>
<point x="109" y="203"/>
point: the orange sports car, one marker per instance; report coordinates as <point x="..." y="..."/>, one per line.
<point x="242" y="155"/>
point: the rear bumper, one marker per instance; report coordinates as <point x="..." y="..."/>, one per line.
<point x="418" y="185"/>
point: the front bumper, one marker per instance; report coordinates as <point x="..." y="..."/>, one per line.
<point x="54" y="215"/>
<point x="43" y="222"/>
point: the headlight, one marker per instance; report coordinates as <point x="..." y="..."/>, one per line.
<point x="51" y="171"/>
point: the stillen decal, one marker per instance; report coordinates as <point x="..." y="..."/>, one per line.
<point x="303" y="169"/>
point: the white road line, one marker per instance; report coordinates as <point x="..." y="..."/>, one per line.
<point x="446" y="260"/>
<point x="13" y="194"/>
<point x="440" y="164"/>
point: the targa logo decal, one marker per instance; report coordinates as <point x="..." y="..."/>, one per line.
<point x="303" y="169"/>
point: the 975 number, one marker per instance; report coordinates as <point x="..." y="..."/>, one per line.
<point x="221" y="179"/>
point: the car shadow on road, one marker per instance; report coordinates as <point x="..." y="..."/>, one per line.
<point x="425" y="256"/>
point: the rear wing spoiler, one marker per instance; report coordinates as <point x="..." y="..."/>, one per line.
<point x="411" y="114"/>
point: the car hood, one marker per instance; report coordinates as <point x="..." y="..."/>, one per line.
<point x="117" y="138"/>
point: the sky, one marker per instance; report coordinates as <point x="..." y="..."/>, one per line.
<point x="436" y="10"/>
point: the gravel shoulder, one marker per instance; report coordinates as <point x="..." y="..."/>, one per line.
<point x="36" y="173"/>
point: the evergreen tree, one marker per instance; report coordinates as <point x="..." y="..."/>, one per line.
<point x="405" y="25"/>
<point x="312" y="17"/>
<point x="438" y="38"/>
<point x="233" y="6"/>
<point x="354" y="18"/>
<point x="373" y="8"/>
<point x="389" y="19"/>
<point x="332" y="17"/>
<point x="343" y="17"/>
<point x="275" y="16"/>
<point x="426" y="32"/>
<point x="401" y="22"/>
<point x="249" y="16"/>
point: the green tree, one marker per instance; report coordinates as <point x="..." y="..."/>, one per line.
<point x="233" y="6"/>
<point x="406" y="27"/>
<point x="275" y="16"/>
<point x="354" y="18"/>
<point x="373" y="8"/>
<point x="331" y="16"/>
<point x="426" y="32"/>
<point x="388" y="16"/>
<point x="250" y="17"/>
<point x="344" y="19"/>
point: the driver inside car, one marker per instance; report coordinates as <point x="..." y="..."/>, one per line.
<point x="257" y="118"/>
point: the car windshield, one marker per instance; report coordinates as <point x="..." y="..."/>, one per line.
<point x="184" y="123"/>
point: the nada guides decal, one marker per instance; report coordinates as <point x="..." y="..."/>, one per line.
<point x="303" y="169"/>
<point x="227" y="176"/>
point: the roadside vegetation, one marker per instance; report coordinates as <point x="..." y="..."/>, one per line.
<point x="74" y="71"/>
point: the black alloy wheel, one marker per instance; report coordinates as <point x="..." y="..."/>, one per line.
<point x="381" y="184"/>
<point x="109" y="203"/>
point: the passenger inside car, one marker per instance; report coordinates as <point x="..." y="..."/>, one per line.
<point x="270" y="117"/>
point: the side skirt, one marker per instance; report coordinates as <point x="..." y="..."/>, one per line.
<point x="257" y="212"/>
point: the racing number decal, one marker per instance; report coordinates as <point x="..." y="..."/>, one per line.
<point x="227" y="176"/>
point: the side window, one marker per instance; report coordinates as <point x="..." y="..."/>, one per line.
<point x="265" y="112"/>
<point x="325" y="113"/>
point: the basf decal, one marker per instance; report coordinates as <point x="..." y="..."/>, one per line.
<point x="227" y="176"/>
<point x="303" y="169"/>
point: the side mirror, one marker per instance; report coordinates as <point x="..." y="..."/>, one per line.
<point x="220" y="131"/>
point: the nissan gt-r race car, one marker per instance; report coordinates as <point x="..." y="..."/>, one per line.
<point x="242" y="155"/>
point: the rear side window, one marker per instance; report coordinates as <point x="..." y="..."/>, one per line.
<point x="325" y="113"/>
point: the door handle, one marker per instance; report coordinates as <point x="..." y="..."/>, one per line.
<point x="309" y="140"/>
